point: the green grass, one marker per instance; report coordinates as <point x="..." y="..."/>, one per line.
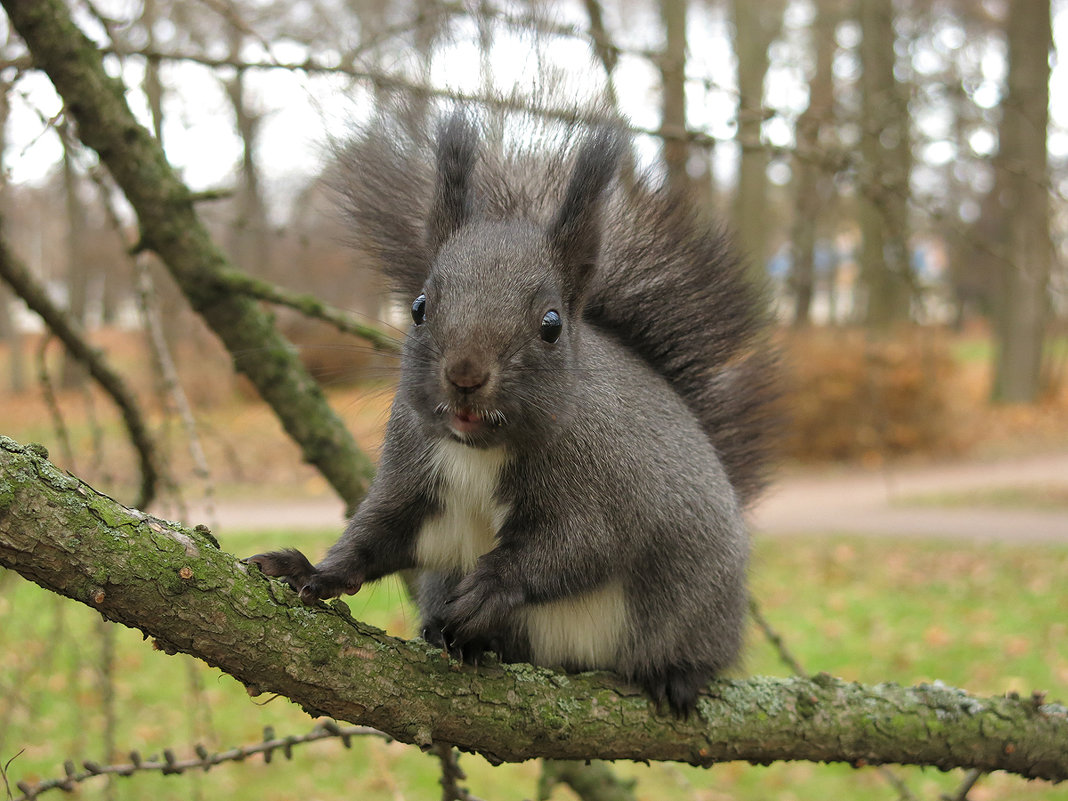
<point x="1043" y="497"/>
<point x="981" y="349"/>
<point x="990" y="619"/>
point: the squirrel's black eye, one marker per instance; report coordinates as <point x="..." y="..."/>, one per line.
<point x="419" y="310"/>
<point x="551" y="326"/>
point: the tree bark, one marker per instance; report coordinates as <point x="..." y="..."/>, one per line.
<point x="755" y="27"/>
<point x="813" y="184"/>
<point x="885" y="149"/>
<point x="72" y="374"/>
<point x="1023" y="303"/>
<point x="174" y="584"/>
<point x="673" y="93"/>
<point x="171" y="227"/>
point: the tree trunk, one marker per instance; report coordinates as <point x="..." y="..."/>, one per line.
<point x="813" y="185"/>
<point x="673" y="94"/>
<point x="1024" y="198"/>
<point x="174" y="584"/>
<point x="73" y="372"/>
<point x="10" y="335"/>
<point x="249" y="229"/>
<point x="885" y="149"/>
<point x="755" y="27"/>
<point x="9" y="332"/>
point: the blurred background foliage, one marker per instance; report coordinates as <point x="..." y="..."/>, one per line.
<point x="897" y="170"/>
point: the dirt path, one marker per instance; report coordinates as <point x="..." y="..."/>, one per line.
<point x="877" y="502"/>
<point x="855" y="502"/>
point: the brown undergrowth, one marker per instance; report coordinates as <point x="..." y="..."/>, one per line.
<point x="850" y="398"/>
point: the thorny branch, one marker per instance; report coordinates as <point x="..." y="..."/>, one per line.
<point x="169" y="764"/>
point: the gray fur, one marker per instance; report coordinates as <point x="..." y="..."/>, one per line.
<point x="603" y="474"/>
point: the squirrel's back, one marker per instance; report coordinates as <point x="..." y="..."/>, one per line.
<point x="668" y="284"/>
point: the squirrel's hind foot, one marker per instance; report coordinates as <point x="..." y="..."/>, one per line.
<point x="679" y="686"/>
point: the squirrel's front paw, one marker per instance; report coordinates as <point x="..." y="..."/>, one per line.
<point x="471" y="618"/>
<point x="311" y="584"/>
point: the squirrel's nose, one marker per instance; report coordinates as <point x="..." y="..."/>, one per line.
<point x="466" y="376"/>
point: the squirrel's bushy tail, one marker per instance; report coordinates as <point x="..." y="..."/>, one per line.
<point x="668" y="284"/>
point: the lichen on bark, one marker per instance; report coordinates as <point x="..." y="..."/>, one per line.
<point x="174" y="584"/>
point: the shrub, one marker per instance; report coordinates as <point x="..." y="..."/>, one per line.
<point x="851" y="395"/>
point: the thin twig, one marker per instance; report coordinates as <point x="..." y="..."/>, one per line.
<point x="451" y="774"/>
<point x="775" y="638"/>
<point x="310" y="306"/>
<point x="49" y="394"/>
<point x="966" y="785"/>
<point x="170" y="765"/>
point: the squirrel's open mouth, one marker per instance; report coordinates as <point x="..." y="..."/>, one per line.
<point x="464" y="422"/>
<point x="470" y="421"/>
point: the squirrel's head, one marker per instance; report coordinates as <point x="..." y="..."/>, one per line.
<point x="491" y="357"/>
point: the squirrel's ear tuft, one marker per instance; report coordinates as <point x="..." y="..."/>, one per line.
<point x="575" y="233"/>
<point x="457" y="152"/>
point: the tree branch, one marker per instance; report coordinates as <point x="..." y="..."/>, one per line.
<point x="69" y="333"/>
<point x="175" y="585"/>
<point x="171" y="227"/>
<point x="309" y="306"/>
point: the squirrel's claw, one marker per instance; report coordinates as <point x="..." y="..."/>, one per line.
<point x="311" y="584"/>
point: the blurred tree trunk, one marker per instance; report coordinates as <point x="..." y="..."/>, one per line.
<point x="248" y="235"/>
<point x="152" y="85"/>
<point x="755" y="27"/>
<point x="428" y="26"/>
<point x="963" y="284"/>
<point x="170" y="306"/>
<point x="1022" y="181"/>
<point x="9" y="333"/>
<point x="673" y="94"/>
<point x="813" y="185"/>
<point x="10" y="336"/>
<point x="885" y="149"/>
<point x="73" y="372"/>
<point x="606" y="52"/>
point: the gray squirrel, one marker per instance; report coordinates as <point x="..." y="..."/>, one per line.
<point x="583" y="406"/>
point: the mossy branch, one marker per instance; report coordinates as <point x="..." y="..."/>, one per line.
<point x="174" y="584"/>
<point x="310" y="306"/>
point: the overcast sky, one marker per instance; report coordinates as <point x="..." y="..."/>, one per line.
<point x="303" y="111"/>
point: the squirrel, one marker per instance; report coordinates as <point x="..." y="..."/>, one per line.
<point x="583" y="407"/>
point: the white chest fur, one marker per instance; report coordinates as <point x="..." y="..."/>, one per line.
<point x="467" y="526"/>
<point x="582" y="632"/>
